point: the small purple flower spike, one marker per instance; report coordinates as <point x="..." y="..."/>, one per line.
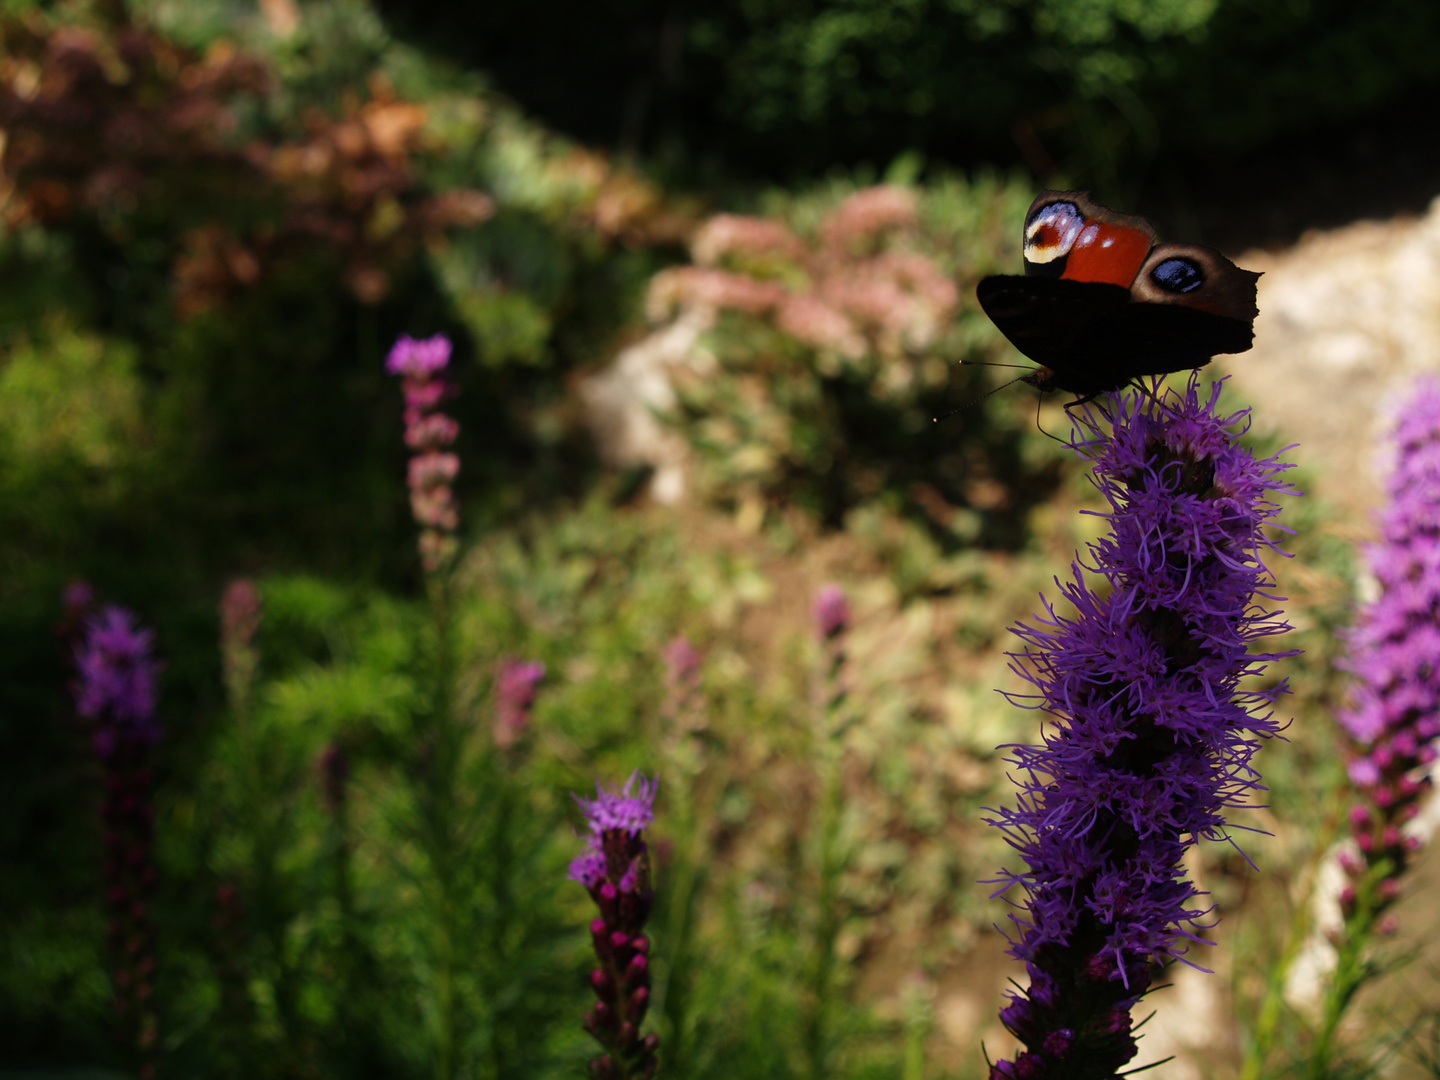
<point x="1149" y="737"/>
<point x="1394" y="713"/>
<point x="116" y="686"/>
<point x="615" y="869"/>
<point x="514" y="695"/>
<point x="682" y="665"/>
<point x="832" y="611"/>
<point x="429" y="432"/>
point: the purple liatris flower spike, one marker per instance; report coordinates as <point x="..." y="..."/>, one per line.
<point x="1394" y="713"/>
<point x="514" y="695"/>
<point x="115" y="688"/>
<point x="1150" y="737"/>
<point x="615" y="868"/>
<point x="116" y="680"/>
<point x="429" y="432"/>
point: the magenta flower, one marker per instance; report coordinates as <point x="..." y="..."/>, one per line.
<point x="1394" y="713"/>
<point x="615" y="869"/>
<point x="832" y="611"/>
<point x="1149" y="738"/>
<point x="418" y="358"/>
<point x="116" y="680"/>
<point x="515" y="688"/>
<point x="428" y="432"/>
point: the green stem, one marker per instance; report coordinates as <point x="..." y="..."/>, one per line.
<point x="669" y="989"/>
<point x="1352" y="970"/>
<point x="817" y="1033"/>
<point x="497" y="970"/>
<point x="442" y="738"/>
<point x="1272" y="1007"/>
<point x="830" y="863"/>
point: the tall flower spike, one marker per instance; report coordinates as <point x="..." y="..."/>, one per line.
<point x="429" y="432"/>
<point x="115" y="688"/>
<point x="240" y="613"/>
<point x="1394" y="713"/>
<point x="615" y="868"/>
<point x="1149" y="738"/>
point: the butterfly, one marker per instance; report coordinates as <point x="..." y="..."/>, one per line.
<point x="1101" y="303"/>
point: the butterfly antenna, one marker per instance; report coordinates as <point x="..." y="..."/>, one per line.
<point x="991" y="363"/>
<point x="989" y="393"/>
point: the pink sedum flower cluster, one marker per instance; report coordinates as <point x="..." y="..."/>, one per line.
<point x="851" y="293"/>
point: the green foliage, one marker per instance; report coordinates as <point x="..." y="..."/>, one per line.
<point x="1105" y="90"/>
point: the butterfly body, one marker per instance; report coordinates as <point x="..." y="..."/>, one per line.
<point x="1101" y="303"/>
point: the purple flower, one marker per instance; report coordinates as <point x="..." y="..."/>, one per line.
<point x="620" y="811"/>
<point x="615" y="869"/>
<point x="418" y="357"/>
<point x="429" y="432"/>
<point x="589" y="868"/>
<point x="832" y="611"/>
<point x="1394" y="712"/>
<point x="514" y="696"/>
<point x="116" y="680"/>
<point x="1150" y="737"/>
<point x="682" y="665"/>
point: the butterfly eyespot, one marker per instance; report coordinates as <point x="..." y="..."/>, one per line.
<point x="1051" y="233"/>
<point x="1178" y="276"/>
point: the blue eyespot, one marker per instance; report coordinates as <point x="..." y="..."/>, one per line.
<point x="1178" y="276"/>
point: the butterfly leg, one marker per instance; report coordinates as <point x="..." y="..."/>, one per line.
<point x="1039" y="400"/>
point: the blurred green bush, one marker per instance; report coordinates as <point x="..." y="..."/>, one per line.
<point x="1100" y="89"/>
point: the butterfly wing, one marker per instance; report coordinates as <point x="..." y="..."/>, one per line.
<point x="1067" y="234"/>
<point x="1047" y="317"/>
<point x="1101" y="303"/>
<point x="1191" y="303"/>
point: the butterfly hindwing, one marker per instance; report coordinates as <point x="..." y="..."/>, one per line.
<point x="1047" y="318"/>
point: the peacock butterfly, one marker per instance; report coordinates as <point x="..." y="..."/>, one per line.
<point x="1101" y="303"/>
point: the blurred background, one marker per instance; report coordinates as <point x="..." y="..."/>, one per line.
<point x="709" y="273"/>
